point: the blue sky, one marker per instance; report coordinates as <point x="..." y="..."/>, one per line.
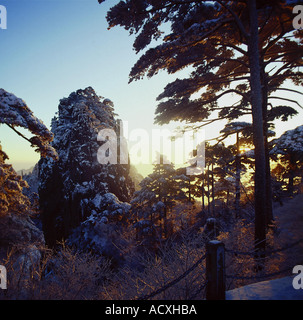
<point x="54" y="47"/>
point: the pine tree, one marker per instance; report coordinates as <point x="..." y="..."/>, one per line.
<point x="16" y="226"/>
<point x="231" y="47"/>
<point x="12" y="200"/>
<point x="236" y="128"/>
<point x="15" y="113"/>
<point x="152" y="204"/>
<point x="288" y="150"/>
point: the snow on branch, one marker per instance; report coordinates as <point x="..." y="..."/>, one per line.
<point x="15" y="113"/>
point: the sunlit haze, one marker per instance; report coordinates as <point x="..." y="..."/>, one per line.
<point x="52" y="48"/>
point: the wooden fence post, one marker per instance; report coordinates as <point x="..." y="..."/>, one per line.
<point x="215" y="270"/>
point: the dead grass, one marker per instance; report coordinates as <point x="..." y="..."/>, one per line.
<point x="146" y="273"/>
<point x="62" y="275"/>
<point x="71" y="275"/>
<point x="66" y="274"/>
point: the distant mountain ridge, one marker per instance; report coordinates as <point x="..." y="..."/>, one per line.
<point x="25" y="171"/>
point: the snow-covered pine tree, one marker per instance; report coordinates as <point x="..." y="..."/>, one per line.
<point x="288" y="152"/>
<point x="233" y="48"/>
<point x="152" y="204"/>
<point x="237" y="128"/>
<point x="15" y="113"/>
<point x="16" y="226"/>
<point x="77" y="189"/>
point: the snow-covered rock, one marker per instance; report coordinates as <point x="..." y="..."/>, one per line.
<point x="290" y="141"/>
<point x="77" y="185"/>
<point x="102" y="228"/>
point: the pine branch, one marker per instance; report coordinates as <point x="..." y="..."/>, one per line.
<point x="289" y="90"/>
<point x="243" y="94"/>
<point x="19" y="133"/>
<point x="236" y="18"/>
<point x="274" y="41"/>
<point x="233" y="46"/>
<point x="285" y="66"/>
<point x="286" y="99"/>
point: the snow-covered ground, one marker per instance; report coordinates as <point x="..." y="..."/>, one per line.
<point x="278" y="289"/>
<point x="290" y="228"/>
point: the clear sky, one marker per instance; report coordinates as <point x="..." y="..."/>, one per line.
<point x="54" y="47"/>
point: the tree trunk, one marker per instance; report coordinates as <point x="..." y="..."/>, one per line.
<point x="189" y="191"/>
<point x="238" y="177"/>
<point x="291" y="174"/>
<point x="257" y="115"/>
<point x="208" y="191"/>
<point x="269" y="209"/>
<point x="213" y="189"/>
<point x="165" y="220"/>
<point x="203" y="192"/>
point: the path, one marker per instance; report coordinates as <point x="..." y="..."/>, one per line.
<point x="290" y="230"/>
<point x="278" y="289"/>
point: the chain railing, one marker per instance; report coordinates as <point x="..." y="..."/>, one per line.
<point x="266" y="254"/>
<point x="216" y="272"/>
<point x="175" y="281"/>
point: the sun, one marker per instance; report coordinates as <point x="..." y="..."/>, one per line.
<point x="244" y="149"/>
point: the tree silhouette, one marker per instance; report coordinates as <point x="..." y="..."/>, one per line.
<point x="15" y="113"/>
<point x="159" y="192"/>
<point x="288" y="150"/>
<point x="231" y="46"/>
